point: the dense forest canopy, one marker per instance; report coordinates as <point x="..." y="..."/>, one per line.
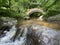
<point x="18" y="8"/>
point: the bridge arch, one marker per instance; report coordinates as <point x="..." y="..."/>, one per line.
<point x="30" y="11"/>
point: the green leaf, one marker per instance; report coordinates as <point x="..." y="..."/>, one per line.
<point x="49" y="3"/>
<point x="56" y="6"/>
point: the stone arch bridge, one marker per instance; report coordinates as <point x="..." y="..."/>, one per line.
<point x="33" y="10"/>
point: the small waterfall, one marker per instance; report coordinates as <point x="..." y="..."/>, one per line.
<point x="6" y="40"/>
<point x="12" y="35"/>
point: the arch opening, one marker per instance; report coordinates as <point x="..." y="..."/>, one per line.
<point x="35" y="15"/>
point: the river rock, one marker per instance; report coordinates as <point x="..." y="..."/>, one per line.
<point x="40" y="35"/>
<point x="40" y="18"/>
<point x="54" y="18"/>
<point x="6" y="21"/>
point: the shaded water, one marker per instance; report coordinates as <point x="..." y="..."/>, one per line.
<point x="51" y="24"/>
<point x="32" y="32"/>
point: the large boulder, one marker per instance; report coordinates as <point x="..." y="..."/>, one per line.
<point x="6" y="21"/>
<point x="54" y="18"/>
<point x="40" y="35"/>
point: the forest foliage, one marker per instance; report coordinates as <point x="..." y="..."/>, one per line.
<point x="18" y="8"/>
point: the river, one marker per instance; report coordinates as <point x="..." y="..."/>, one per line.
<point x="32" y="32"/>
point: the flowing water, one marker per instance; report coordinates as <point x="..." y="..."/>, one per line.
<point x="6" y="40"/>
<point x="32" y="32"/>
